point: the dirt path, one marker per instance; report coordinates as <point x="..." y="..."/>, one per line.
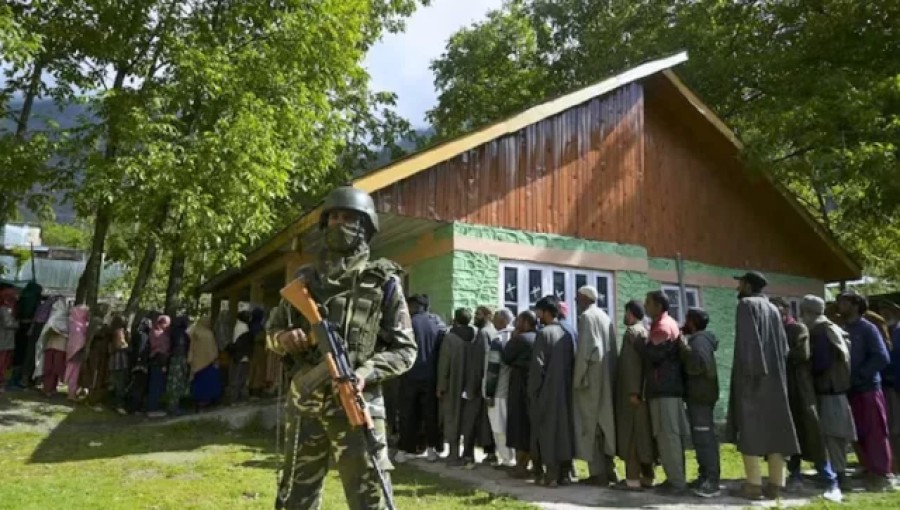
<point x="579" y="497"/>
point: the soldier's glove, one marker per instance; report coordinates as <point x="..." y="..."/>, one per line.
<point x="293" y="340"/>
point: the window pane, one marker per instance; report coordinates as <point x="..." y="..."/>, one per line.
<point x="692" y="299"/>
<point x="559" y="285"/>
<point x="602" y="289"/>
<point x="535" y="285"/>
<point x="513" y="308"/>
<point x="511" y="285"/>
<point x="580" y="281"/>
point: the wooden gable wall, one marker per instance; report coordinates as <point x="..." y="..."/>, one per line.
<point x="637" y="166"/>
<point x="708" y="207"/>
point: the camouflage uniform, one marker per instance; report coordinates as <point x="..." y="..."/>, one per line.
<point x="380" y="342"/>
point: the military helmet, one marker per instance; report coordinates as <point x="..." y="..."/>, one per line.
<point x="351" y="199"/>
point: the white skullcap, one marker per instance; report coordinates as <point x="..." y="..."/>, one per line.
<point x="589" y="292"/>
<point x="812" y="304"/>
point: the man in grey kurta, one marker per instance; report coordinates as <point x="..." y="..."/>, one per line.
<point x="830" y="354"/>
<point x="451" y="379"/>
<point x="475" y="424"/>
<point x="759" y="416"/>
<point x="633" y="429"/>
<point x="550" y="395"/>
<point x="592" y="388"/>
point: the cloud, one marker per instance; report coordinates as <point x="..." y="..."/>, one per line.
<point x="399" y="63"/>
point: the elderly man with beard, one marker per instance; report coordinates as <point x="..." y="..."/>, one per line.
<point x="364" y="300"/>
<point x="759" y="416"/>
<point x="475" y="423"/>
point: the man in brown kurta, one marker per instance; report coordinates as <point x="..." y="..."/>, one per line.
<point x="550" y="394"/>
<point x="634" y="437"/>
<point x="759" y="417"/>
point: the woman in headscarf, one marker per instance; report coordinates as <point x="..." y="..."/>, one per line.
<point x="160" y="349"/>
<point x="206" y="386"/>
<point x="75" y="347"/>
<point x="177" y="385"/>
<point x="118" y="364"/>
<point x="140" y="361"/>
<point x="50" y="350"/>
<point x="8" y="326"/>
<point x="259" y="360"/>
<point x="96" y="365"/>
<point x="241" y="350"/>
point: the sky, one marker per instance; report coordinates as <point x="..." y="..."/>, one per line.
<point x="399" y="63"/>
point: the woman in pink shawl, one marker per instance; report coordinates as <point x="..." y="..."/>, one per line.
<point x="160" y="349"/>
<point x="78" y="324"/>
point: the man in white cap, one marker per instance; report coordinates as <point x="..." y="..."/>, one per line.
<point x="592" y="389"/>
<point x="830" y="355"/>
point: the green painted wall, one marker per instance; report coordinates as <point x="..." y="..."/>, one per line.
<point x="475" y="279"/>
<point x="548" y="240"/>
<point x="434" y="277"/>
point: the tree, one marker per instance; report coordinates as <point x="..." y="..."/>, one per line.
<point x="489" y="71"/>
<point x="812" y="88"/>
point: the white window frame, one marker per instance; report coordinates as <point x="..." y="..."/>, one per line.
<point x="524" y="302"/>
<point x="688" y="291"/>
<point x="793" y="302"/>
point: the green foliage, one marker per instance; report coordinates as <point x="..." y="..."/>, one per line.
<point x="68" y="236"/>
<point x="812" y="88"/>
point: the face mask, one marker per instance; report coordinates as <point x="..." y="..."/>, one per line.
<point x="345" y="238"/>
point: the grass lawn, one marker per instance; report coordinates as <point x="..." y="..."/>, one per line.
<point x="100" y="460"/>
<point x="85" y="459"/>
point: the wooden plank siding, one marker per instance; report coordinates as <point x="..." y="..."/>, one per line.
<point x="577" y="173"/>
<point x="708" y="206"/>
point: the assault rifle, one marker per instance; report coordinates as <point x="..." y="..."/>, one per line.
<point x="342" y="375"/>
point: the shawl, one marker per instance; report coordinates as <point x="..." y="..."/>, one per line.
<point x="159" y="336"/>
<point x="240" y="327"/>
<point x="58" y="321"/>
<point x="78" y="323"/>
<point x="204" y="350"/>
<point x="256" y="321"/>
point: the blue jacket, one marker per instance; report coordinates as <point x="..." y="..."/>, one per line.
<point x="868" y="356"/>
<point x="427" y="328"/>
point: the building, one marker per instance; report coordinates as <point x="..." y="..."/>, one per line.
<point x="606" y="185"/>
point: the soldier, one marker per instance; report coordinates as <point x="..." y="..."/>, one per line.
<point x="365" y="303"/>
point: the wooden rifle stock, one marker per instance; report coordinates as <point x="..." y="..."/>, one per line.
<point x="297" y="294"/>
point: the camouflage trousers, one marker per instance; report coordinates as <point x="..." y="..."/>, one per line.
<point x="326" y="440"/>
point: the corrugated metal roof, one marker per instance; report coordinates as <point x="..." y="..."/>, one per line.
<point x="64" y="274"/>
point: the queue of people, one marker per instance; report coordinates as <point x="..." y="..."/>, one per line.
<point x="160" y="366"/>
<point x="536" y="393"/>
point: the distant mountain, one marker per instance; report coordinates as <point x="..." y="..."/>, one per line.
<point x="43" y="113"/>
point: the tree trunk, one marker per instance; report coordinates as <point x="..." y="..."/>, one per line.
<point x="89" y="282"/>
<point x="176" y="279"/>
<point x="34" y="84"/>
<point x="145" y="271"/>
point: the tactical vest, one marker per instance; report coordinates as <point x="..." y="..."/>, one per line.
<point x="356" y="312"/>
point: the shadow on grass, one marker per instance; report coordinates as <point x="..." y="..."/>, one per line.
<point x="85" y="434"/>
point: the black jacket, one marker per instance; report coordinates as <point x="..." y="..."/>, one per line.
<point x="698" y="356"/>
<point x="663" y="371"/>
<point x="428" y="330"/>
